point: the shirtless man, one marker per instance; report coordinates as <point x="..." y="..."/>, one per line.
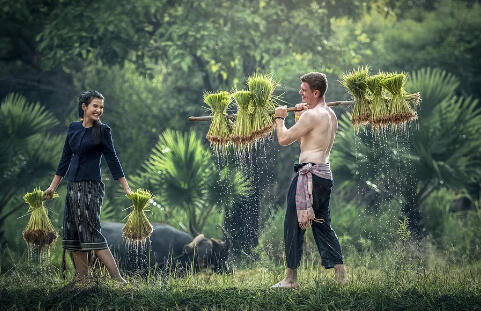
<point x="310" y="190"/>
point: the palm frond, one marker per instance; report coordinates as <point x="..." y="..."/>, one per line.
<point x="21" y="119"/>
<point x="435" y="85"/>
<point x="178" y="167"/>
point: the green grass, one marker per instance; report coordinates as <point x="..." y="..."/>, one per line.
<point x="30" y="287"/>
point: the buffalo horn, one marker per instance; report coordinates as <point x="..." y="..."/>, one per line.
<point x="227" y="237"/>
<point x="192" y="229"/>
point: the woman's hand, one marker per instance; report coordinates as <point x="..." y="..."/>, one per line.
<point x="48" y="193"/>
<point x="125" y="185"/>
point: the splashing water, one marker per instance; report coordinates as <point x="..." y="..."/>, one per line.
<point x="139" y="253"/>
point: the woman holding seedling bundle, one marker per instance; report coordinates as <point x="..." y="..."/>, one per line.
<point x="87" y="140"/>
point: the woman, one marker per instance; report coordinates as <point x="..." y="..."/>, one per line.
<point x="87" y="140"/>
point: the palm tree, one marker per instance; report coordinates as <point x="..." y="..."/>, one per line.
<point x="181" y="171"/>
<point x="28" y="154"/>
<point x="226" y="186"/>
<point x="441" y="151"/>
<point x="445" y="150"/>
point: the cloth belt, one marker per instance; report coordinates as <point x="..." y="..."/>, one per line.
<point x="304" y="199"/>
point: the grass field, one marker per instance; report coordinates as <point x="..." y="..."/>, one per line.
<point x="33" y="287"/>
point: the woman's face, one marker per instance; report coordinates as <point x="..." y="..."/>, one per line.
<point x="94" y="110"/>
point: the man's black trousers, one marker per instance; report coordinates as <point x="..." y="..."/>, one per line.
<point x="325" y="237"/>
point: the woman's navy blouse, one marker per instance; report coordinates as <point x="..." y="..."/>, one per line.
<point x="81" y="156"/>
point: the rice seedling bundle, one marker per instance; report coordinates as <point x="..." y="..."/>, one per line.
<point x="219" y="132"/>
<point x="39" y="231"/>
<point x="413" y="99"/>
<point x="242" y="129"/>
<point x="262" y="89"/>
<point x="379" y="107"/>
<point x="138" y="228"/>
<point x="356" y="83"/>
<point x="399" y="109"/>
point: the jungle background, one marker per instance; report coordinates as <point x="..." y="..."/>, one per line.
<point x="414" y="192"/>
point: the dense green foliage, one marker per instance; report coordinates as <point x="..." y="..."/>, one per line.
<point x="25" y="149"/>
<point x="154" y="60"/>
<point x="440" y="151"/>
<point x="181" y="171"/>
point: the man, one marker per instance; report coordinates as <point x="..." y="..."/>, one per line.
<point x="309" y="193"/>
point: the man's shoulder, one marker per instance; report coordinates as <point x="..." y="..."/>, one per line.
<point x="319" y="117"/>
<point x="326" y="112"/>
<point x="317" y="113"/>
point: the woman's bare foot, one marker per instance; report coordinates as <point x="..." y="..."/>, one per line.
<point x="80" y="280"/>
<point x="120" y="280"/>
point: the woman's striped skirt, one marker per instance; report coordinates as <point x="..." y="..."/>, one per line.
<point x="81" y="222"/>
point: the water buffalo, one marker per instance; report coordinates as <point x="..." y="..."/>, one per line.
<point x="169" y="249"/>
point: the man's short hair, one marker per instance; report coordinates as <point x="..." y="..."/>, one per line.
<point x="316" y="81"/>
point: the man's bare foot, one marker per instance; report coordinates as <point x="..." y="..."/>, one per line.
<point x="341" y="280"/>
<point x="285" y="284"/>
<point x="340" y="274"/>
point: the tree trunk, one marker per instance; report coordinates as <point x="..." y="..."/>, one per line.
<point x="2" y="221"/>
<point x="242" y="220"/>
<point x="411" y="210"/>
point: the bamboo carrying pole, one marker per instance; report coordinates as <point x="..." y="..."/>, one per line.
<point x="290" y="109"/>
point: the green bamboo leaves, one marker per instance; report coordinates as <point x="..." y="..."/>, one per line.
<point x="138" y="228"/>
<point x="380" y="100"/>
<point x="39" y="231"/>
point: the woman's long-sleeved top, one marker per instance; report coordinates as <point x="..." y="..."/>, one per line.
<point x="81" y="156"/>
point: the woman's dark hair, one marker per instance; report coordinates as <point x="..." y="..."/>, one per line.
<point x="86" y="98"/>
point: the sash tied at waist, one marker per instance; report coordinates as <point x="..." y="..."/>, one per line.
<point x="304" y="199"/>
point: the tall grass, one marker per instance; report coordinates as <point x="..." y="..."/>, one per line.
<point x="388" y="270"/>
<point x="400" y="286"/>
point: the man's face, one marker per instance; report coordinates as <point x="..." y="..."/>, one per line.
<point x="307" y="95"/>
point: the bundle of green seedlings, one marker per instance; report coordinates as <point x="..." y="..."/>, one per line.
<point x="219" y="131"/>
<point x="262" y="106"/>
<point x="241" y="136"/>
<point x="379" y="103"/>
<point x="356" y="83"/>
<point x="138" y="228"/>
<point x="413" y="99"/>
<point x="399" y="110"/>
<point x="39" y="231"/>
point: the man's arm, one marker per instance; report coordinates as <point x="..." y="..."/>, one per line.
<point x="286" y="136"/>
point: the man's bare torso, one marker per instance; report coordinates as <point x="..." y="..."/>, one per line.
<point x="317" y="143"/>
